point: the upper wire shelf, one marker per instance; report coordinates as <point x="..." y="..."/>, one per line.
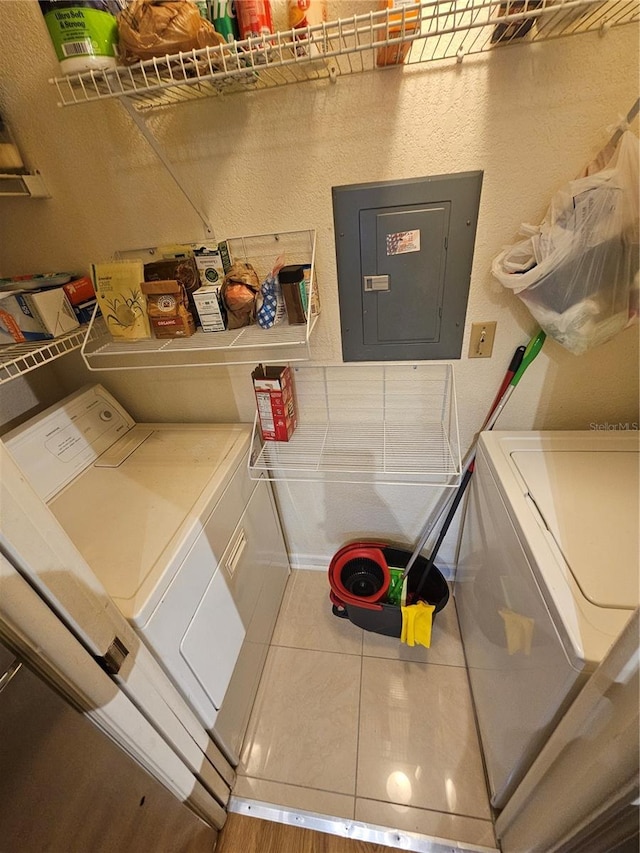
<point x="369" y="423"/>
<point x="18" y="359"/>
<point x="430" y="30"/>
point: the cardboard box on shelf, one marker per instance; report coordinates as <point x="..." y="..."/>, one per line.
<point x="35" y="316"/>
<point x="84" y="311"/>
<point x="209" y="263"/>
<point x="210" y="309"/>
<point x="79" y="290"/>
<point x="273" y="387"/>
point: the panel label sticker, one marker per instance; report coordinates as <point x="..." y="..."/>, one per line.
<point x="403" y="242"/>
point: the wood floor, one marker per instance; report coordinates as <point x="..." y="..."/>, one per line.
<point x="243" y="834"/>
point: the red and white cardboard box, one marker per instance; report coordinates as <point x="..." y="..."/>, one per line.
<point x="273" y="387"/>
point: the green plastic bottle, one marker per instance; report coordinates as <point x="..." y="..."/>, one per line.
<point x="84" y="33"/>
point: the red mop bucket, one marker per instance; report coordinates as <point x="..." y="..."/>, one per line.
<point x="376" y="615"/>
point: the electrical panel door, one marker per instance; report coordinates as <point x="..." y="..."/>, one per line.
<point x="408" y="248"/>
<point x="404" y="253"/>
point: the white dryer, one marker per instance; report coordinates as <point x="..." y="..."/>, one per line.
<point x="547" y="578"/>
<point x="186" y="544"/>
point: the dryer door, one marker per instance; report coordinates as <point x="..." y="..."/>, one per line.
<point x="213" y="640"/>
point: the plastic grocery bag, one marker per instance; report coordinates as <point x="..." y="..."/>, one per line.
<point x="149" y="28"/>
<point x="577" y="272"/>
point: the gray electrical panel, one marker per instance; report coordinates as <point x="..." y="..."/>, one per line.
<point x="404" y="251"/>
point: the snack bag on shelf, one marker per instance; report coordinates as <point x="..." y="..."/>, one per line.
<point x="118" y="288"/>
<point x="239" y="291"/>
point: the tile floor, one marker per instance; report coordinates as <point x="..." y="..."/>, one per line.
<point x="355" y="725"/>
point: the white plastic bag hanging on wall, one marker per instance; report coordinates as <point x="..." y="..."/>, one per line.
<point x="577" y="272"/>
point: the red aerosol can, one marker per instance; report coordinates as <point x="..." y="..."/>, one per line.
<point x="254" y="18"/>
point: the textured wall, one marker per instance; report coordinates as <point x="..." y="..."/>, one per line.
<point x="529" y="116"/>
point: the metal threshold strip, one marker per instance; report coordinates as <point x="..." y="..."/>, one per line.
<point x="397" y="839"/>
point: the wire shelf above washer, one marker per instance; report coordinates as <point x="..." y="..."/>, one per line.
<point x="368" y="424"/>
<point x="18" y="359"/>
<point x="432" y="30"/>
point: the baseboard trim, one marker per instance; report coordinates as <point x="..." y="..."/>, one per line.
<point x="321" y="564"/>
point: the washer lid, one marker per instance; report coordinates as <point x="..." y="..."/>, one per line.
<point x="589" y="501"/>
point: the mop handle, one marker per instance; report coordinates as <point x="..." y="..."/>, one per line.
<point x="533" y="348"/>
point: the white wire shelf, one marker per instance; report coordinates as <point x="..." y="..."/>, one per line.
<point x="240" y="346"/>
<point x="18" y="359"/>
<point x="432" y="30"/>
<point x="247" y="345"/>
<point x="368" y="424"/>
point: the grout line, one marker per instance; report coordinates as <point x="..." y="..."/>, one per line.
<point x="419" y="662"/>
<point x="355" y="789"/>
<point x="368" y="799"/>
<point x="476" y="722"/>
<point x="425" y="809"/>
<point x="296" y="785"/>
<point x="319" y="651"/>
<point x="308" y="649"/>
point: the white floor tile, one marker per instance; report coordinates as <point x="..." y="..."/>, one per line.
<point x="304" y="725"/>
<point x="417" y="743"/>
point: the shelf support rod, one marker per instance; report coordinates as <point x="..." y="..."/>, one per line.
<point x="142" y="126"/>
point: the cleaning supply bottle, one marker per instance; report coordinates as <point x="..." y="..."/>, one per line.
<point x="84" y="33"/>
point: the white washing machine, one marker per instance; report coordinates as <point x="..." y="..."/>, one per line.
<point x="186" y="544"/>
<point x="547" y="578"/>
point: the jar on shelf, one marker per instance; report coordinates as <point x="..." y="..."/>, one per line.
<point x="84" y="33"/>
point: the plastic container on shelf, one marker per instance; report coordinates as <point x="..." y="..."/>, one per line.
<point x="84" y="33"/>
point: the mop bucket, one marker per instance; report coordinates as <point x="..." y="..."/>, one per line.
<point x="383" y="618"/>
<point x="359" y="570"/>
